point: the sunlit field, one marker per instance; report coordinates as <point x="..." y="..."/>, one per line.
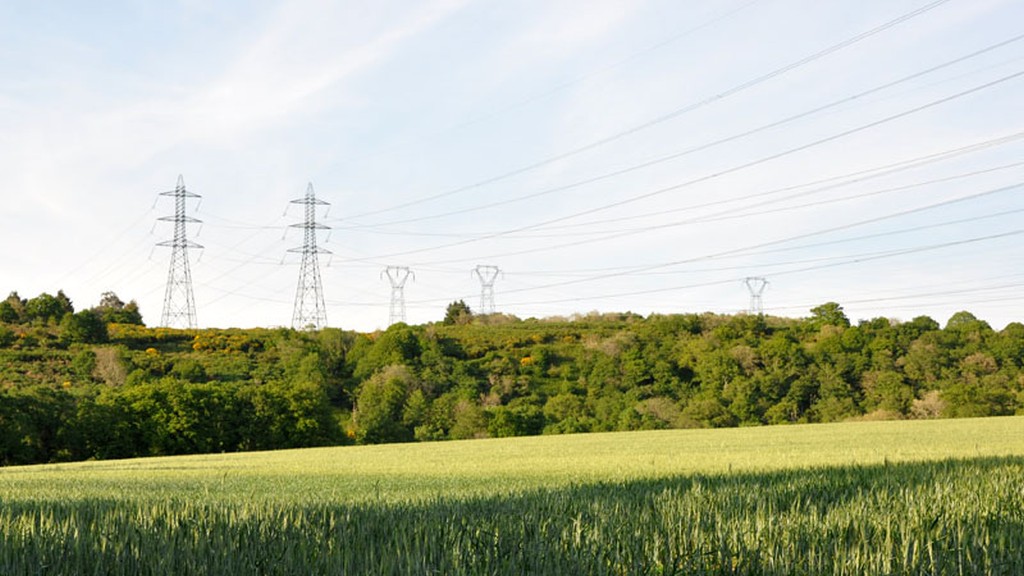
<point x="941" y="496"/>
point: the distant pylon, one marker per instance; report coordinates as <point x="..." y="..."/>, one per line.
<point x="310" y="312"/>
<point x="756" y="286"/>
<point x="179" y="304"/>
<point x="397" y="275"/>
<point x="487" y="276"/>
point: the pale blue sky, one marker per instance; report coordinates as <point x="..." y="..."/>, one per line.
<point x="607" y="155"/>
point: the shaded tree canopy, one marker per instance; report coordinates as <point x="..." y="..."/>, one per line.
<point x="457" y="313"/>
<point x="86" y="327"/>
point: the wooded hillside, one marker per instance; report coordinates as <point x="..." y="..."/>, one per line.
<point x="99" y="384"/>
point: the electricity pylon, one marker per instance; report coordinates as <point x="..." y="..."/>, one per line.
<point x="487" y="276"/>
<point x="309" y="312"/>
<point x="397" y="275"/>
<point x="179" y="303"/>
<point x="756" y="286"/>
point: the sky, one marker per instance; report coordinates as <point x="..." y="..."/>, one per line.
<point x="647" y="156"/>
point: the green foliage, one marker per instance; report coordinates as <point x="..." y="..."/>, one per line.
<point x="114" y="311"/>
<point x="381" y="404"/>
<point x="48" y="309"/>
<point x="887" y="391"/>
<point x="189" y="370"/>
<point x="399" y="344"/>
<point x="31" y="425"/>
<point x="11" y="309"/>
<point x="495" y="376"/>
<point x="83" y="365"/>
<point x="518" y="420"/>
<point x="829" y="314"/>
<point x="708" y="413"/>
<point x="85" y="327"/>
<point x="458" y="313"/>
<point x="468" y="420"/>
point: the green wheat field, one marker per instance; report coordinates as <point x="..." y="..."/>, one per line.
<point x="911" y="497"/>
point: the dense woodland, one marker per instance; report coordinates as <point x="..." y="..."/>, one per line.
<point x="97" y="383"/>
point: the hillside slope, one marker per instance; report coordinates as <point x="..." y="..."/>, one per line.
<point x="127" y="390"/>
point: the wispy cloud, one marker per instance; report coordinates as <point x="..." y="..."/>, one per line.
<point x="298" y="66"/>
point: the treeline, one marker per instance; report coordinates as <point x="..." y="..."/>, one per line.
<point x="129" y="390"/>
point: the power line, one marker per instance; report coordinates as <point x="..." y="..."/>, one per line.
<point x="711" y="176"/>
<point x="888" y="233"/>
<point x="919" y="295"/>
<point x="632" y="270"/>
<point x="705" y="146"/>
<point x="827" y="184"/>
<point x="673" y="114"/>
<point x="820" y="185"/>
<point x="748" y="249"/>
<point x="888" y="216"/>
<point x="853" y="260"/>
<point x="770" y="157"/>
<point x="748" y="211"/>
<point x="818" y="265"/>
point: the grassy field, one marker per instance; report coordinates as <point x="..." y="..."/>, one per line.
<point x="942" y="497"/>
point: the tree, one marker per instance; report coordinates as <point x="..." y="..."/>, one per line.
<point x="85" y="327"/>
<point x="458" y="312"/>
<point x="965" y="321"/>
<point x="48" y="309"/>
<point x="517" y="420"/>
<point x="189" y="370"/>
<point x="379" y="407"/>
<point x="469" y="421"/>
<point x="707" y="412"/>
<point x="399" y="344"/>
<point x="565" y="413"/>
<point x="113" y="310"/>
<point x="887" y="391"/>
<point x="829" y="313"/>
<point x="989" y="396"/>
<point x="12" y="309"/>
<point x="1008" y="346"/>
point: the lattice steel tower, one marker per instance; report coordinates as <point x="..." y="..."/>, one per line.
<point x="179" y="303"/>
<point x="756" y="286"/>
<point x="397" y="275"/>
<point x="487" y="276"/>
<point x="310" y="311"/>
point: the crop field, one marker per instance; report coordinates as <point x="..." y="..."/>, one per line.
<point x="914" y="497"/>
